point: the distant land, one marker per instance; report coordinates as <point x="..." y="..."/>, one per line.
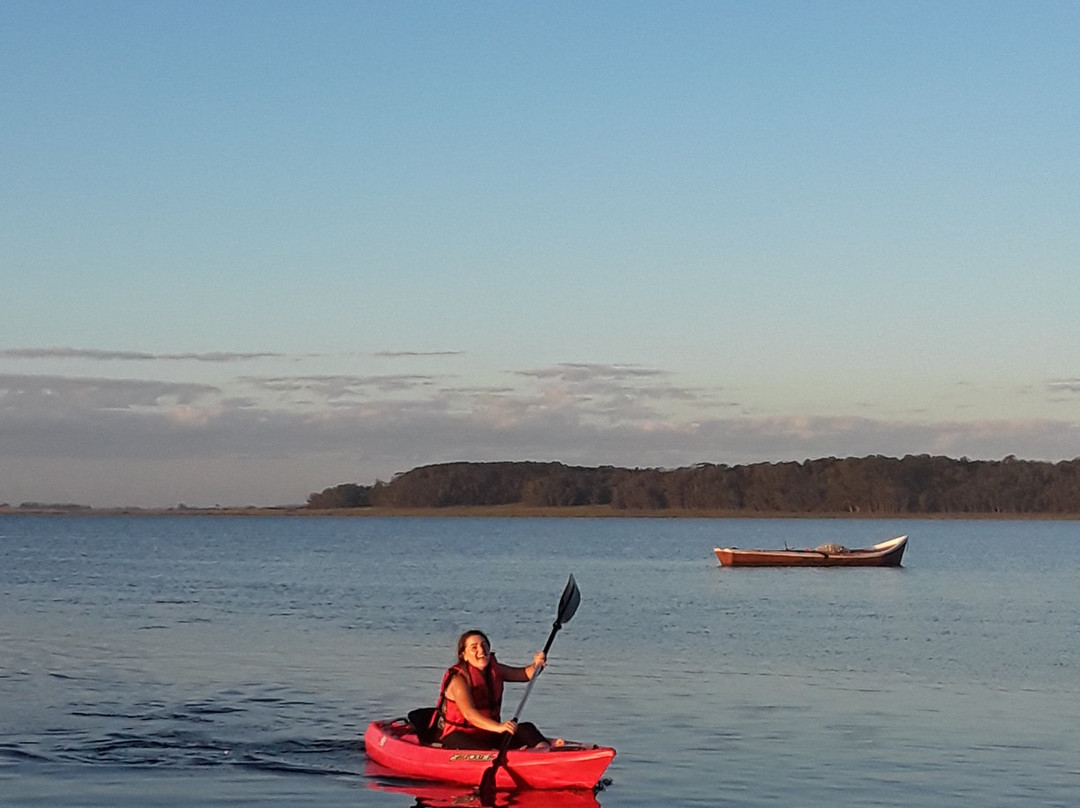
<point x="873" y="486"/>
<point x="876" y="486"/>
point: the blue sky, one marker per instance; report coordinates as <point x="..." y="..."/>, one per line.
<point x="252" y="250"/>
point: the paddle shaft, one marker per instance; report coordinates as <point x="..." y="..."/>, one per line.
<point x="487" y="782"/>
<point x="568" y="604"/>
<point x="528" y="688"/>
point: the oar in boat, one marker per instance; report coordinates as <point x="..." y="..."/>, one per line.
<point x="568" y="604"/>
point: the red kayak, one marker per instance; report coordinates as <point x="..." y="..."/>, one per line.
<point x="395" y="746"/>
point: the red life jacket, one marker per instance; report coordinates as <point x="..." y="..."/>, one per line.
<point x="486" y="688"/>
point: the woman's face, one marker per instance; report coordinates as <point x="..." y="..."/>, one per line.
<point x="476" y="652"/>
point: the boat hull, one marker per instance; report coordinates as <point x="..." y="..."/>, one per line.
<point x="886" y="554"/>
<point x="394" y="746"/>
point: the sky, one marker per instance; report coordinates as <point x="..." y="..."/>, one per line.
<point x="250" y="250"/>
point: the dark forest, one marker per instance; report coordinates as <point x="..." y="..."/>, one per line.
<point x="869" y="486"/>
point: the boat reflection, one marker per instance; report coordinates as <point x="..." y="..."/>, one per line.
<point x="450" y="795"/>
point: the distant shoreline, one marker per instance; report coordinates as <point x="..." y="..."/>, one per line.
<point x="518" y="511"/>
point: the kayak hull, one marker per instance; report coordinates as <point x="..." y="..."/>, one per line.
<point x="394" y="746"/>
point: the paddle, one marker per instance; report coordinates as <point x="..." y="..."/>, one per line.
<point x="568" y="604"/>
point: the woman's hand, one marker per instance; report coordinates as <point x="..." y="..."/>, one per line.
<point x="538" y="662"/>
<point x="508" y="726"/>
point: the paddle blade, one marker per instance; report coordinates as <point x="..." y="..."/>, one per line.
<point x="569" y="601"/>
<point x="487" y="784"/>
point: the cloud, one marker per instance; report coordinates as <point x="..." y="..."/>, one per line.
<point x="1064" y="386"/>
<point x="209" y="356"/>
<point x="132" y="356"/>
<point x="584" y="372"/>
<point x="612" y="393"/>
<point x="136" y="418"/>
<point x="407" y="354"/>
<point x="47" y="396"/>
<point x="335" y="387"/>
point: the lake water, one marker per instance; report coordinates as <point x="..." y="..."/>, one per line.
<point x="224" y="661"/>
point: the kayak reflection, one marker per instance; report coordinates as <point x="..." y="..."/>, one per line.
<point x="449" y="795"/>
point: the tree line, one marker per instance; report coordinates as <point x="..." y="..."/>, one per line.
<point x="873" y="485"/>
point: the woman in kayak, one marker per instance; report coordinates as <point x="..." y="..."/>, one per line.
<point x="468" y="712"/>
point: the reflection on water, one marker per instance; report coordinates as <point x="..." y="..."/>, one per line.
<point x="436" y="795"/>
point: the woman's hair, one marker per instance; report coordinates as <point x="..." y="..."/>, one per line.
<point x="465" y="635"/>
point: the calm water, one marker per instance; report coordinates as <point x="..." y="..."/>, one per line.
<point x="175" y="661"/>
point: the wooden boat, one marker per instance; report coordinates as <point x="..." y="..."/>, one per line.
<point x="395" y="746"/>
<point x="885" y="554"/>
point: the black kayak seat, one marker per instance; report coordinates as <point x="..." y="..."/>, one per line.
<point x="420" y="719"/>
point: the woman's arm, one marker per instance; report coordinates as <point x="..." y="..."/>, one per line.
<point x="457" y="692"/>
<point x="512" y="674"/>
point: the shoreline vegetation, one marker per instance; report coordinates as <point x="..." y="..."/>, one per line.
<point x="509" y="511"/>
<point x="874" y="487"/>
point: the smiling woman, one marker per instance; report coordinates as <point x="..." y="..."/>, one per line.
<point x="468" y="713"/>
